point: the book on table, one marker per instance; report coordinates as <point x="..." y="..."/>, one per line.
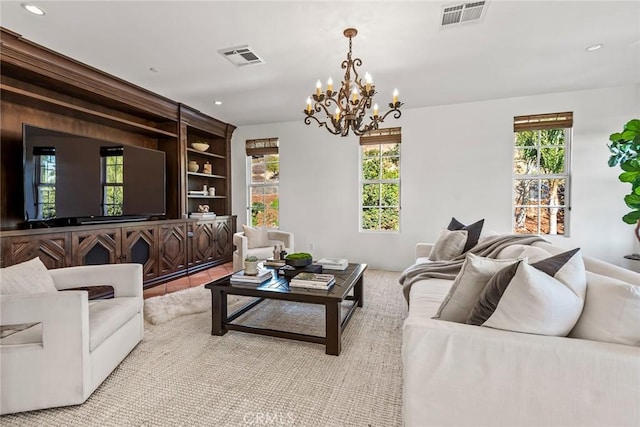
<point x="270" y="262"/>
<point x="313" y="280"/>
<point x="333" y="263"/>
<point x="262" y="276"/>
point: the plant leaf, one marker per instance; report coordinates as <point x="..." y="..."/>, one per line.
<point x="632" y="200"/>
<point x="628" y="176"/>
<point x="632" y="217"/>
<point x="633" y="125"/>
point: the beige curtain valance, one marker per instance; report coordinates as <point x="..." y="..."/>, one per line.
<point x="262" y="147"/>
<point x="382" y="136"/>
<point x="543" y="121"/>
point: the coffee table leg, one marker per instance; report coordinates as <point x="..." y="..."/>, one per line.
<point x="357" y="291"/>
<point x="218" y="312"/>
<point x="333" y="329"/>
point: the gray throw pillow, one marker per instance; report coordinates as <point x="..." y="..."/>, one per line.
<point x="474" y="230"/>
<point x="28" y="277"/>
<point x="448" y="245"/>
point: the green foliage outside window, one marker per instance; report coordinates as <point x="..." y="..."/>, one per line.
<point x="113" y="200"/>
<point x="381" y="187"/>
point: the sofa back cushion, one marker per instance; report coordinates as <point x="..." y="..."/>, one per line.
<point x="611" y="312"/>
<point x="26" y="278"/>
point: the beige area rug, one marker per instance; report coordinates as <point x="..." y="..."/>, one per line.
<point x="180" y="375"/>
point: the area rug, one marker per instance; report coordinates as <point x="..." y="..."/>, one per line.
<point x="167" y="307"/>
<point x="180" y="375"/>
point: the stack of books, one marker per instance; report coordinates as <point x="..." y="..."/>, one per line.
<point x="274" y="262"/>
<point x="312" y="281"/>
<point x="333" y="263"/>
<point x="241" y="278"/>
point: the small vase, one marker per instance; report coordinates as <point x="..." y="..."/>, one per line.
<point x="251" y="268"/>
<point x="192" y="166"/>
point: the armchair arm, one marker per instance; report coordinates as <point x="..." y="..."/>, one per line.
<point x="241" y="244"/>
<point x="508" y="378"/>
<point x="283" y="236"/>
<point x="126" y="279"/>
<point x="423" y="250"/>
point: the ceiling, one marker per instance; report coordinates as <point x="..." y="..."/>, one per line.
<point x="517" y="48"/>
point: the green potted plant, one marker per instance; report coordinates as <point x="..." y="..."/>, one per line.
<point x="298" y="259"/>
<point x="625" y="151"/>
<point x="251" y="265"/>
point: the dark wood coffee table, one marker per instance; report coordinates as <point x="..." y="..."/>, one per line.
<point x="277" y="288"/>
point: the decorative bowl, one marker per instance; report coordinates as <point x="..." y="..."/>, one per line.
<point x="200" y="146"/>
<point x="298" y="262"/>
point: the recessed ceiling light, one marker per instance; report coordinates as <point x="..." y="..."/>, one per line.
<point x="33" y="9"/>
<point x="593" y="47"/>
<point x="217" y="102"/>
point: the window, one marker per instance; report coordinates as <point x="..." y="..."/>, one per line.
<point x="45" y="181"/>
<point x="112" y="180"/>
<point x="541" y="183"/>
<point x="264" y="175"/>
<point x="380" y="180"/>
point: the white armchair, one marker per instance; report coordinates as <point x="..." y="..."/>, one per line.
<point x="75" y="343"/>
<point x="241" y="243"/>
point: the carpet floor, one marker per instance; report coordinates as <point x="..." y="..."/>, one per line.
<point x="181" y="375"/>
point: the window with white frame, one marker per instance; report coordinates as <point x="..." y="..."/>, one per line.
<point x="380" y="180"/>
<point x="45" y="182"/>
<point x="263" y="165"/>
<point x="541" y="173"/>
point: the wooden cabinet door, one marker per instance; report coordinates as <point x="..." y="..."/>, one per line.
<point x="173" y="247"/>
<point x="140" y="245"/>
<point x="96" y="246"/>
<point x="53" y="249"/>
<point x="203" y="242"/>
<point x="224" y="237"/>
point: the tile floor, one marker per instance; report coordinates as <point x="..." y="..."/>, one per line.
<point x="196" y="279"/>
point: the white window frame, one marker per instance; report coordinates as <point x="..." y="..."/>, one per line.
<point x="250" y="185"/>
<point x="362" y="182"/>
<point x="568" y="137"/>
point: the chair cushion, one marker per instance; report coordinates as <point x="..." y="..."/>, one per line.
<point x="28" y="277"/>
<point x="256" y="237"/>
<point x="108" y="315"/>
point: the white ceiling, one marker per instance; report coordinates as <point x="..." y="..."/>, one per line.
<point x="519" y="48"/>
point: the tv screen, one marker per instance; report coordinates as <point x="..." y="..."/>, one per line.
<point x="75" y="179"/>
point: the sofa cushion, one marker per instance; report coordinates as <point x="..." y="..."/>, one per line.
<point x="474" y="231"/>
<point x="26" y="278"/>
<point x="543" y="298"/>
<point x="256" y="237"/>
<point x="476" y="271"/>
<point x="108" y="315"/>
<point x="449" y="244"/>
<point x="611" y="312"/>
<point x="426" y="296"/>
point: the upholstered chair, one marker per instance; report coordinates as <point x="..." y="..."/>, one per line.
<point x="259" y="242"/>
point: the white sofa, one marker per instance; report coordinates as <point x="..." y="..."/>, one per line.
<point x="75" y="344"/>
<point x="462" y="375"/>
<point x="241" y="243"/>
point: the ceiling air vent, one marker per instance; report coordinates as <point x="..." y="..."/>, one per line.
<point x="464" y="12"/>
<point x="241" y="56"/>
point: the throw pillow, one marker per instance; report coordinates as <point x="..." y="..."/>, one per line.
<point x="256" y="237"/>
<point x="28" y="277"/>
<point x="476" y="271"/>
<point x="544" y="298"/>
<point x="531" y="253"/>
<point x="474" y="231"/>
<point x="448" y="245"/>
<point x="611" y="312"/>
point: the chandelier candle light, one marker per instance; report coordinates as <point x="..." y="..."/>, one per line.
<point x="353" y="100"/>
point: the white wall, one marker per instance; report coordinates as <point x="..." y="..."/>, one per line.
<point x="455" y="161"/>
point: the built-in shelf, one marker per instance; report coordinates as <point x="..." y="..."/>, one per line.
<point x="206" y="175"/>
<point x="191" y="196"/>
<point x="205" y="153"/>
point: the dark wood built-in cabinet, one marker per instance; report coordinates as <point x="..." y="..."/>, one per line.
<point x="42" y="88"/>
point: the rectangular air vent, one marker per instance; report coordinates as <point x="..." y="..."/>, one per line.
<point x="464" y="12"/>
<point x="241" y="55"/>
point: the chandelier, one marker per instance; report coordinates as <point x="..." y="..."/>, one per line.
<point x="352" y="101"/>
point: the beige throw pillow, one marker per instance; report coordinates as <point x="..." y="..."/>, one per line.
<point x="256" y="237"/>
<point x="28" y="277"/>
<point x="449" y="245"/>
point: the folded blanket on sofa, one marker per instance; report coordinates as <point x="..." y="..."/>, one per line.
<point x="489" y="248"/>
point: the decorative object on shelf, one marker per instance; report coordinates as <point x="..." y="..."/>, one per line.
<point x="298" y="259"/>
<point x="212" y="191"/>
<point x="276" y="252"/>
<point x="625" y="151"/>
<point x="197" y="193"/>
<point x="204" y="189"/>
<point x="203" y="208"/>
<point x="193" y="166"/>
<point x="200" y="146"/>
<point x="352" y="102"/>
<point x="204" y="215"/>
<point x="251" y="265"/>
<point x="206" y="168"/>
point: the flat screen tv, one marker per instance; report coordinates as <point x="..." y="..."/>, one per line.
<point x="71" y="179"/>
